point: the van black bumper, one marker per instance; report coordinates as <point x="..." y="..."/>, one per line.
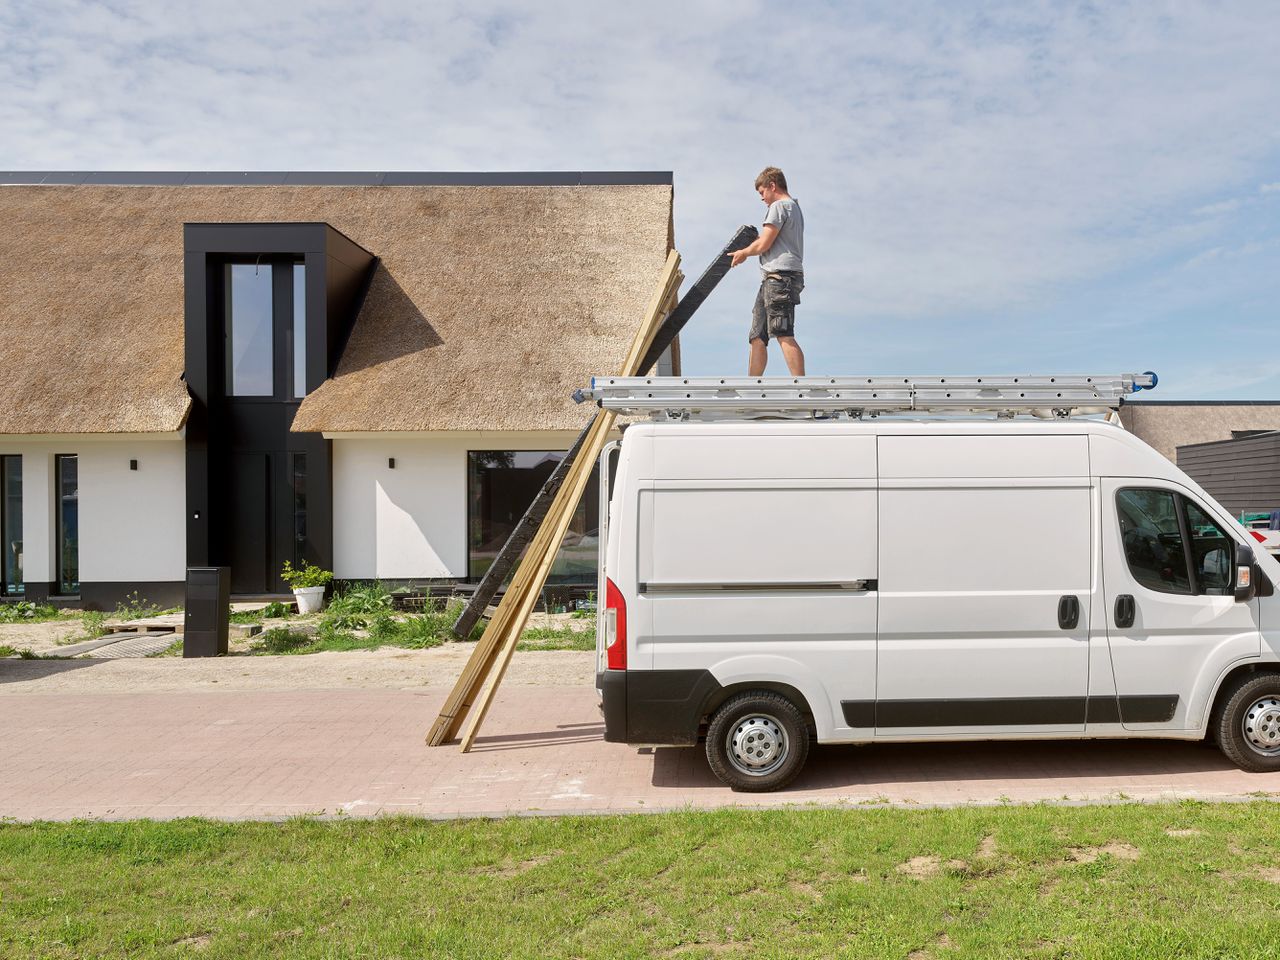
<point x="655" y="706"/>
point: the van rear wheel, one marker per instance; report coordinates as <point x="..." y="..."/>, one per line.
<point x="757" y="741"/>
<point x="1247" y="725"/>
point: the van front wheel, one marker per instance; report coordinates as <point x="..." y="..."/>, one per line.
<point x="1248" y="724"/>
<point x="757" y="742"/>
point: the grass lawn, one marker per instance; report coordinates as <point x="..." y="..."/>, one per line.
<point x="1180" y="880"/>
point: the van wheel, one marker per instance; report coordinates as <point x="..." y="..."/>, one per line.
<point x="757" y="742"/>
<point x="1247" y="725"/>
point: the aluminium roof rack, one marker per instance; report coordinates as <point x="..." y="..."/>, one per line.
<point x="684" y="398"/>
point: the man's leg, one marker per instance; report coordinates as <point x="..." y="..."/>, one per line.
<point x="792" y="353"/>
<point x="758" y="336"/>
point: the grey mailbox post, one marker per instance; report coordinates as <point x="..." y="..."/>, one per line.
<point x="208" y="607"/>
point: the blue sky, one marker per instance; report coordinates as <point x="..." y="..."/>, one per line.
<point x="1034" y="187"/>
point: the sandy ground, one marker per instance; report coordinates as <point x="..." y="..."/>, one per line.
<point x="390" y="668"/>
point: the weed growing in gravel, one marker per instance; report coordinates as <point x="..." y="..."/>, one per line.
<point x="559" y="638"/>
<point x="24" y="611"/>
<point x="358" y="606"/>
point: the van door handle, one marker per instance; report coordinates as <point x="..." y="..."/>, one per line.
<point x="1069" y="612"/>
<point x="1126" y="610"/>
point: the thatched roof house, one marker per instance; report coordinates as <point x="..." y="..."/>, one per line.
<point x="491" y="300"/>
<point x="366" y="371"/>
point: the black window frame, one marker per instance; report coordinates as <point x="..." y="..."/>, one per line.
<point x="64" y="586"/>
<point x="1180" y="501"/>
<point x="5" y="466"/>
<point x="284" y="323"/>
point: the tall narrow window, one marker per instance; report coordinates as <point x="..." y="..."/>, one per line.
<point x="299" y="331"/>
<point x="67" y="478"/>
<point x="298" y="478"/>
<point x="249" y="350"/>
<point x="11" y="580"/>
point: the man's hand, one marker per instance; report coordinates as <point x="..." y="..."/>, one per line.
<point x="768" y="233"/>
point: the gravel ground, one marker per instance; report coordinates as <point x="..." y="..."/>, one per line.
<point x="386" y="668"/>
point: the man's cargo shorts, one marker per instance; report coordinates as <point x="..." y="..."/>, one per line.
<point x="774" y="313"/>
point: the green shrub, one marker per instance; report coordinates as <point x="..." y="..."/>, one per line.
<point x="94" y="622"/>
<point x="305" y="576"/>
<point x="24" y="611"/>
<point x="275" y="610"/>
<point x="358" y="606"/>
<point x="281" y="640"/>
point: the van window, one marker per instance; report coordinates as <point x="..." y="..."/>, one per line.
<point x="1152" y="537"/>
<point x="1211" y="553"/>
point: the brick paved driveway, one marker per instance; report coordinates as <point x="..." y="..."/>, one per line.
<point x="267" y="754"/>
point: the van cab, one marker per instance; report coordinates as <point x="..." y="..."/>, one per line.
<point x="772" y="583"/>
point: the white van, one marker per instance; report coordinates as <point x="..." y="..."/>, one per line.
<point x="768" y="583"/>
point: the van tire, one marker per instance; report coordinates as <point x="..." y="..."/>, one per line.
<point x="763" y="721"/>
<point x="1247" y="723"/>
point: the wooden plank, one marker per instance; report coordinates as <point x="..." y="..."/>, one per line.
<point x="482" y="658"/>
<point x="559" y="517"/>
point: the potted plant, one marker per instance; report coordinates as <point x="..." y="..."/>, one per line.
<point x="307" y="583"/>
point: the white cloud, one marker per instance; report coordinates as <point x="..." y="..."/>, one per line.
<point x="953" y="160"/>
<point x="1269" y="188"/>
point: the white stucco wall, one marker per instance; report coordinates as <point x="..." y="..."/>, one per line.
<point x="132" y="523"/>
<point x="410" y="522"/>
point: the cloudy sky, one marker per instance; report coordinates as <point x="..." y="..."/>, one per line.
<point x="1039" y="187"/>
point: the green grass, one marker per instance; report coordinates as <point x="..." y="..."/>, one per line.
<point x="558" y="638"/>
<point x="970" y="882"/>
<point x="368" y="610"/>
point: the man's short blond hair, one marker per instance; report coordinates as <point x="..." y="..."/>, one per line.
<point x="772" y="175"/>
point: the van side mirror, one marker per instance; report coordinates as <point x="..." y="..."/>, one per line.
<point x="1244" y="566"/>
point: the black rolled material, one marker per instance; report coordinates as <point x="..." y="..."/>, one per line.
<point x="525" y="530"/>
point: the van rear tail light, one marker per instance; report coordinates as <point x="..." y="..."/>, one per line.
<point x="615" y="626"/>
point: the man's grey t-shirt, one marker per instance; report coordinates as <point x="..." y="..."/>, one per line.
<point x="787" y="252"/>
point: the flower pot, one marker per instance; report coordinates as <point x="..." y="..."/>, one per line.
<point x="310" y="599"/>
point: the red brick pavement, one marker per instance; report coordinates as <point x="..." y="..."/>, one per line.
<point x="361" y="752"/>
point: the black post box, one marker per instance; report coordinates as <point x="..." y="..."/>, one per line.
<point x="208" y="609"/>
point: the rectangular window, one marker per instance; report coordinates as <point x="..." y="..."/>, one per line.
<point x="501" y="484"/>
<point x="1151" y="532"/>
<point x="299" y="331"/>
<point x="250" y="356"/>
<point x="11" y="580"/>
<point x="298" y="479"/>
<point x="68" y="497"/>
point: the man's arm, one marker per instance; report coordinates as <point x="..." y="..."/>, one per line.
<point x="768" y="234"/>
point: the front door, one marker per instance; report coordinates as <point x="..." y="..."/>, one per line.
<point x="985" y="600"/>
<point x="1168" y="567"/>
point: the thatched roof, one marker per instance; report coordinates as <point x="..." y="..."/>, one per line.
<point x="490" y="304"/>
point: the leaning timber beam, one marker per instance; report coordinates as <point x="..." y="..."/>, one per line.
<point x="533" y="517"/>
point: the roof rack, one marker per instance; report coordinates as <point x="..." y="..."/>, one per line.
<point x="683" y="398"/>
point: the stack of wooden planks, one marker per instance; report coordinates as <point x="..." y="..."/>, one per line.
<point x="472" y="695"/>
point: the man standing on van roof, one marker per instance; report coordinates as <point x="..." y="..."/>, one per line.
<point x="781" y="251"/>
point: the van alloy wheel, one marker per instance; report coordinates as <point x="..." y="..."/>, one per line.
<point x="1261" y="726"/>
<point x="757" y="741"/>
<point x="757" y="745"/>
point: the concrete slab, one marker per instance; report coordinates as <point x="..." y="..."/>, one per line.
<point x="361" y="753"/>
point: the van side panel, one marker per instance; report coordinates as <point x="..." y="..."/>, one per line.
<point x="981" y="538"/>
<point x="756" y="557"/>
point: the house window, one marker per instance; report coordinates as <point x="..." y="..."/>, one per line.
<point x="298" y="480"/>
<point x="249" y="330"/>
<point x="11" y="581"/>
<point x="501" y="484"/>
<point x="68" y="497"/>
<point x="299" y="331"/>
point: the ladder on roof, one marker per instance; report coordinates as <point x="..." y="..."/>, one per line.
<point x="683" y="398"/>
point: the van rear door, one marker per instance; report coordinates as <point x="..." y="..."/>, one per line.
<point x="986" y="562"/>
